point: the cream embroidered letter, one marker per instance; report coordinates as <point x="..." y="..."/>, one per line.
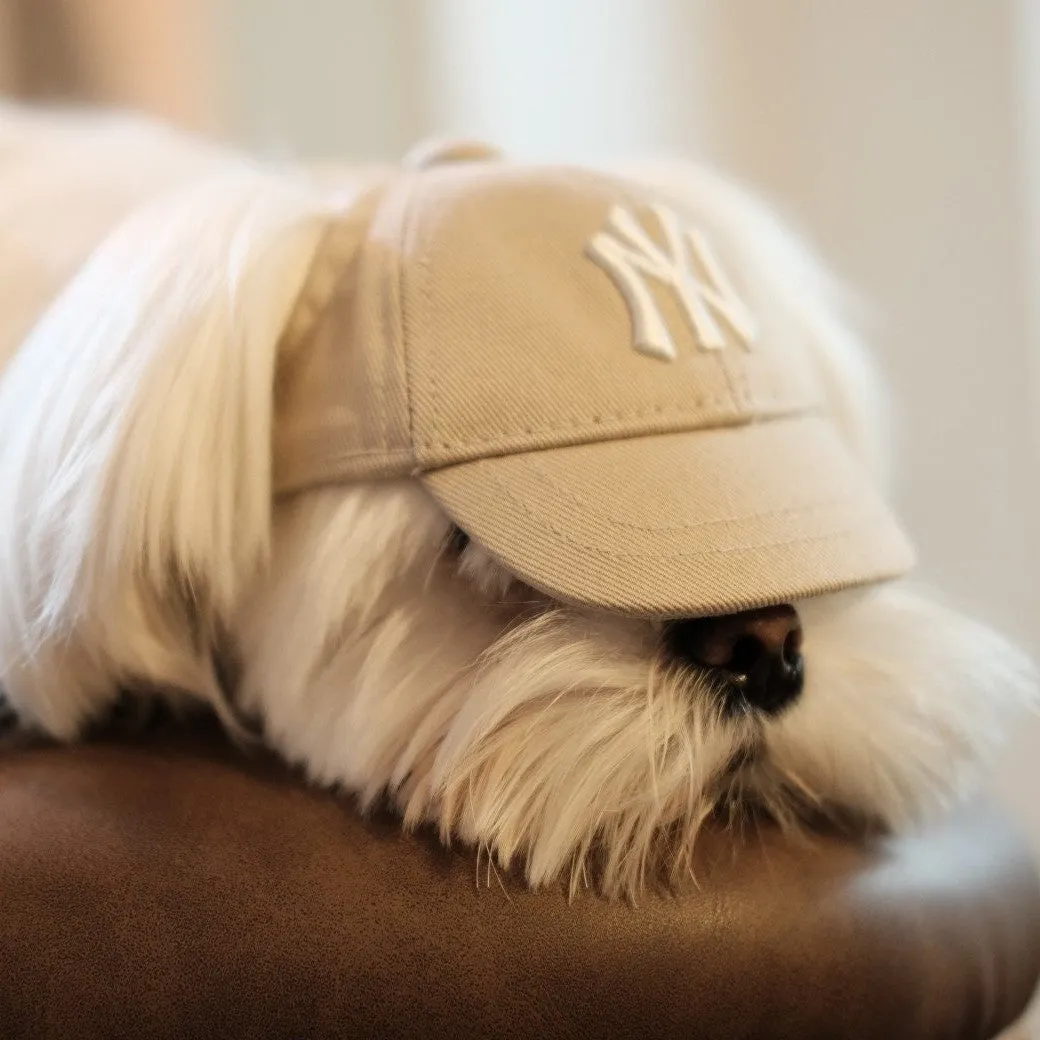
<point x="629" y="255"/>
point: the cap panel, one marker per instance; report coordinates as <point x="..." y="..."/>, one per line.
<point x="523" y="331"/>
<point x="341" y="398"/>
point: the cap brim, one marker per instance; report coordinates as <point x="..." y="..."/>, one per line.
<point x="682" y="524"/>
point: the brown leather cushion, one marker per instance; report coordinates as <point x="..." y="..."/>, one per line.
<point x="176" y="890"/>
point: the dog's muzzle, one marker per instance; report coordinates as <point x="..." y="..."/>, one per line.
<point x="758" y="654"/>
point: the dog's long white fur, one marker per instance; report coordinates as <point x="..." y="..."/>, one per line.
<point x="139" y="539"/>
<point x="136" y="429"/>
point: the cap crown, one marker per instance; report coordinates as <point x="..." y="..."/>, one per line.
<point x="484" y="309"/>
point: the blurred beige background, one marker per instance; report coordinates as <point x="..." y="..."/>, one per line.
<point x="902" y="136"/>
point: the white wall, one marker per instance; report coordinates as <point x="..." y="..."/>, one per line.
<point x="324" y="77"/>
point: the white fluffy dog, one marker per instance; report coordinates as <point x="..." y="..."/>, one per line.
<point x="505" y="492"/>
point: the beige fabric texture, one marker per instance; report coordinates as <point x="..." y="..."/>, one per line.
<point x="474" y="340"/>
<point x="457" y="327"/>
<point x="679" y="523"/>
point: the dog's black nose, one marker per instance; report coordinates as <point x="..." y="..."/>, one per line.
<point x="759" y="652"/>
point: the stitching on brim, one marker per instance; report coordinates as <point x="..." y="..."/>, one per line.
<point x="673" y="412"/>
<point x="606" y="554"/>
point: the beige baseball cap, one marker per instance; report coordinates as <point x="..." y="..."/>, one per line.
<point x="604" y="389"/>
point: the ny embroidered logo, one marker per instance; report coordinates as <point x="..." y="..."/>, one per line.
<point x="630" y="256"/>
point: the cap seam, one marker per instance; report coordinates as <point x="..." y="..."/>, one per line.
<point x="520" y="505"/>
<point x="603" y="418"/>
<point x="424" y="290"/>
<point x="407" y="224"/>
<point x="805" y="509"/>
<point x="606" y="554"/>
<point x="329" y="465"/>
<point x="594" y="435"/>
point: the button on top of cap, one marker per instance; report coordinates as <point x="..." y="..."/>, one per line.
<point x="441" y="152"/>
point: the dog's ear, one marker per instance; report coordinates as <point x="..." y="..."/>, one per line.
<point x="812" y="297"/>
<point x="135" y="433"/>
